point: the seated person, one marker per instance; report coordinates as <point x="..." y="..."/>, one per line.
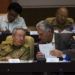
<point x="12" y="19"/>
<point x="45" y="32"/>
<point x="17" y="46"/>
<point x="61" y="21"/>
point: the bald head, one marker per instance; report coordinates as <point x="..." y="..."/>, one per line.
<point x="62" y="14"/>
<point x="63" y="11"/>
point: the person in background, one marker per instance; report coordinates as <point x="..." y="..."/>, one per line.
<point x="12" y="19"/>
<point x="16" y="47"/>
<point x="61" y="21"/>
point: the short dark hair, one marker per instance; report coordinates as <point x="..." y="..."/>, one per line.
<point x="16" y="7"/>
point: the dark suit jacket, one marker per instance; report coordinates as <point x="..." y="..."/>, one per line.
<point x="64" y="41"/>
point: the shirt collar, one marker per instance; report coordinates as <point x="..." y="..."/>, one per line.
<point x="53" y="41"/>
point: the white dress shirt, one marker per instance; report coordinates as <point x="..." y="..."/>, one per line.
<point x="5" y="25"/>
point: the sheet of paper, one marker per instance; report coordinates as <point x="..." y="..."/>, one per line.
<point x="46" y="48"/>
<point x="54" y="59"/>
<point x="27" y="61"/>
<point x="33" y="33"/>
<point x="14" y="60"/>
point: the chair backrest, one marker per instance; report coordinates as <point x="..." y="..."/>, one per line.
<point x="63" y="40"/>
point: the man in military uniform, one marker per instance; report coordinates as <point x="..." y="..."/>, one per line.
<point x="61" y="21"/>
<point x="17" y="48"/>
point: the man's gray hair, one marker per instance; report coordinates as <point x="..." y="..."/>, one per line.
<point x="15" y="29"/>
<point x="44" y="25"/>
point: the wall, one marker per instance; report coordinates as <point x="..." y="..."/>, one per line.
<point x="3" y="5"/>
<point x="45" y="3"/>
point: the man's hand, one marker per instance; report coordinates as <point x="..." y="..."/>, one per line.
<point x="73" y="37"/>
<point x="56" y="53"/>
<point x="40" y="55"/>
<point x="5" y="58"/>
<point x="8" y="57"/>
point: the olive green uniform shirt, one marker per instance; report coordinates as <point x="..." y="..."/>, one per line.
<point x="52" y="21"/>
<point x="21" y="52"/>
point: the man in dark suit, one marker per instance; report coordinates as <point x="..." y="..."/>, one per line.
<point x="46" y="33"/>
<point x="46" y="36"/>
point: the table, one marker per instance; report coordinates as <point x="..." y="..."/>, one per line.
<point x="37" y="67"/>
